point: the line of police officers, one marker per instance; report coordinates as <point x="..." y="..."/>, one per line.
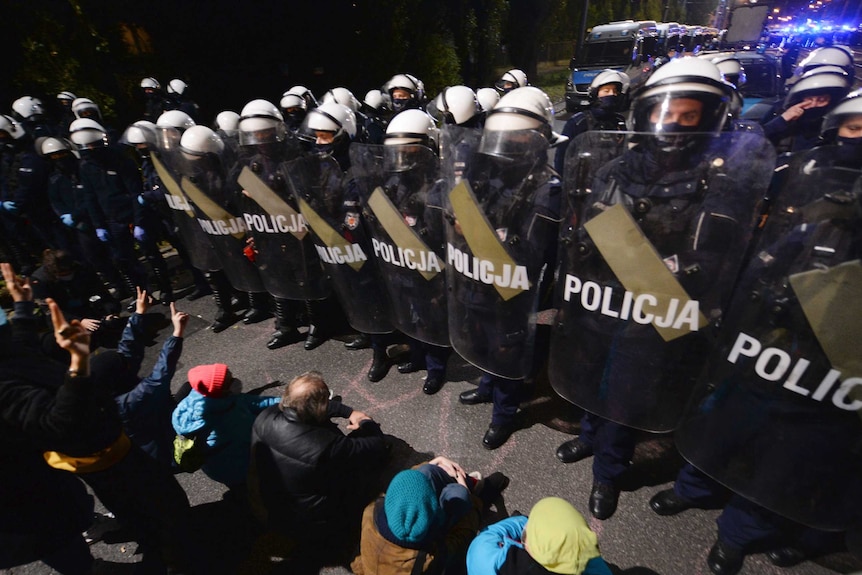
<point x="697" y="288"/>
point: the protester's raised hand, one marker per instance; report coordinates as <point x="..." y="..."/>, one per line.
<point x="19" y="288"/>
<point x="180" y="319"/>
<point x="73" y="337"/>
<point x="142" y="301"/>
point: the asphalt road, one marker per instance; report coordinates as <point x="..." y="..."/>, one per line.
<point x="635" y="540"/>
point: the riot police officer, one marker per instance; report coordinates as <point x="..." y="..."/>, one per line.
<point x="796" y="127"/>
<point x="65" y="116"/>
<point x="811" y="226"/>
<point x="687" y="221"/>
<point x="495" y="273"/>
<point x="30" y="112"/>
<point x="283" y="251"/>
<point x="511" y="80"/>
<point x="178" y="99"/>
<point x="405" y="92"/>
<point x="112" y="185"/>
<point x="154" y="99"/>
<point x="608" y="92"/>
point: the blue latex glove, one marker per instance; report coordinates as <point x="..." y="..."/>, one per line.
<point x="102" y="234"/>
<point x="140" y="234"/>
<point x="68" y="220"/>
<point x="10" y="206"/>
<point x="141" y="199"/>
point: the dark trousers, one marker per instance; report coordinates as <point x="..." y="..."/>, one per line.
<point x="506" y="395"/>
<point x="613" y="447"/>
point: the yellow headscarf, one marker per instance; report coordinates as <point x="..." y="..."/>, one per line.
<point x="558" y="537"/>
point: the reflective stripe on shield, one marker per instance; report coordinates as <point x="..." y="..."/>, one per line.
<point x="267" y="199"/>
<point x="832" y="303"/>
<point x="403" y="236"/>
<point x="479" y="235"/>
<point x="327" y="234"/>
<point x="171" y="185"/>
<point x="637" y="264"/>
<point x="212" y="210"/>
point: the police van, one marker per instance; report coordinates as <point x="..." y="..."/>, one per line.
<point x="625" y="46"/>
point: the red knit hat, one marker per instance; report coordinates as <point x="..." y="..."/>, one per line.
<point x="209" y="380"/>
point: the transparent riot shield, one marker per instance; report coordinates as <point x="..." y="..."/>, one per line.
<point x="650" y="249"/>
<point x="205" y="185"/>
<point x="283" y="251"/>
<point x="329" y="202"/>
<point x="501" y="227"/>
<point x="457" y="146"/>
<point x="776" y="414"/>
<point x="201" y="252"/>
<point x="402" y="199"/>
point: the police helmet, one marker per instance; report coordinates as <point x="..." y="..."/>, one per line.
<point x="850" y="106"/>
<point x="822" y="80"/>
<point x="289" y="101"/>
<point x="28" y="108"/>
<point x="411" y="127"/>
<point x="51" y="145"/>
<point x="10" y="129"/>
<point x="511" y="80"/>
<point x="86" y="108"/>
<point x="261" y="122"/>
<point x="375" y="101"/>
<point x="177" y="87"/>
<point x="150" y="84"/>
<point x="683" y="78"/>
<point x="199" y="141"/>
<point x="527" y="108"/>
<point x="457" y="105"/>
<point x="828" y="56"/>
<point x="330" y="117"/>
<point x="342" y="96"/>
<point x="306" y="94"/>
<point x="87" y="134"/>
<point x="731" y="69"/>
<point x="141" y="134"/>
<point x="66" y="98"/>
<point x="488" y="98"/>
<point x="227" y="121"/>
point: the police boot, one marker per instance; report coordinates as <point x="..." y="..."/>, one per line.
<point x="221" y="290"/>
<point x="258" y="308"/>
<point x="131" y="288"/>
<point x="285" y="327"/>
<point x="202" y="287"/>
<point x="380" y="366"/>
<point x="166" y="291"/>
<point x="317" y="334"/>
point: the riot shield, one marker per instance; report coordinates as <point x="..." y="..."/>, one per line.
<point x="501" y="225"/>
<point x="402" y="198"/>
<point x="330" y="205"/>
<point x="204" y="184"/>
<point x="457" y="146"/>
<point x="284" y="252"/>
<point x="776" y="415"/>
<point x="197" y="244"/>
<point x="649" y="252"/>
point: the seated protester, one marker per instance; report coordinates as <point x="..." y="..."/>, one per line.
<point x="80" y="294"/>
<point x="307" y="477"/>
<point x="425" y="521"/>
<point x="224" y="418"/>
<point x="146" y="405"/>
<point x="554" y="539"/>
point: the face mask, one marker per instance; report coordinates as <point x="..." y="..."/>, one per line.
<point x="399" y="104"/>
<point x="848" y="151"/>
<point x="674" y="137"/>
<point x="607" y="103"/>
<point x="323" y="149"/>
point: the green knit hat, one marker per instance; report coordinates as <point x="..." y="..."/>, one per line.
<point x="411" y="506"/>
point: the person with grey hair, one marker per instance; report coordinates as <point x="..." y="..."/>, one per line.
<point x="306" y="475"/>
